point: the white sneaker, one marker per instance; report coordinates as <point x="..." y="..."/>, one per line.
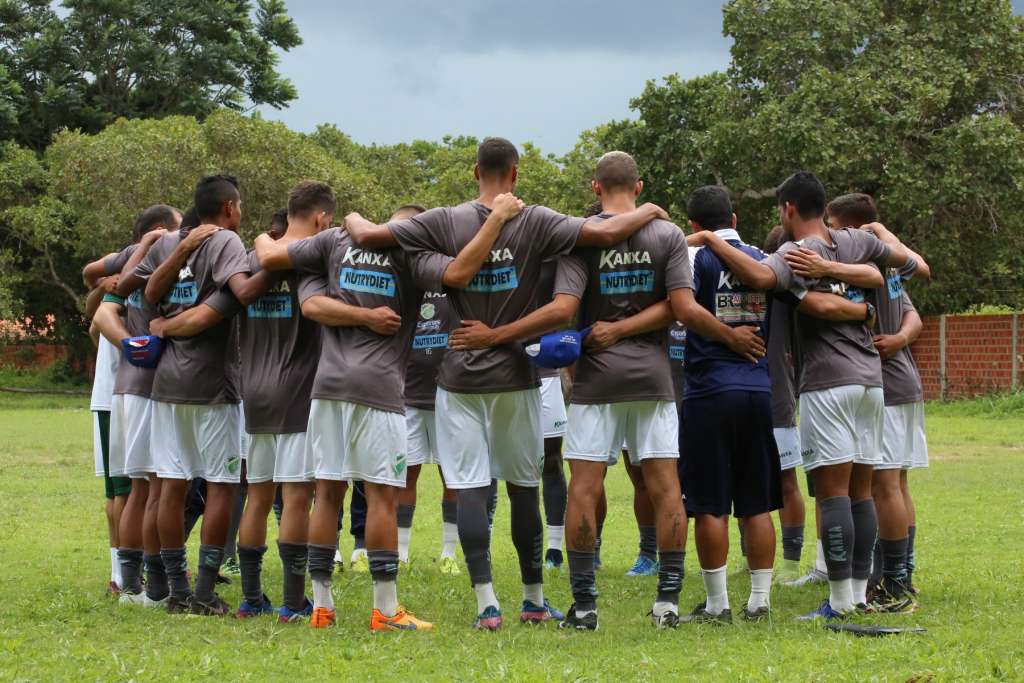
<point x="154" y="604"/>
<point x="132" y="599"/>
<point x="811" y="577"/>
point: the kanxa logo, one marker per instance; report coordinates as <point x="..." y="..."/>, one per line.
<point x="610" y="258"/>
<point x="361" y="257"/>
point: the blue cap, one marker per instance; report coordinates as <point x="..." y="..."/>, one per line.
<point x="558" y="349"/>
<point x="143" y="352"/>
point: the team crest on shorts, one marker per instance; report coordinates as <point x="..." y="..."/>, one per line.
<point x="399" y="464"/>
<point x="234" y="462"/>
<point x="427" y="311"/>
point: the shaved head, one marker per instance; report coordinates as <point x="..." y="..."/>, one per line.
<point x="617" y="171"/>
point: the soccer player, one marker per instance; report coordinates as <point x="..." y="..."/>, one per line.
<point x="903" y="441"/>
<point x="841" y="379"/>
<point x="488" y="403"/>
<point x="195" y="423"/>
<point x="367" y="301"/>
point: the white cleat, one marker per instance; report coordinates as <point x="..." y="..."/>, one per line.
<point x="128" y="599"/>
<point x="154" y="604"/>
<point x="814" y="576"/>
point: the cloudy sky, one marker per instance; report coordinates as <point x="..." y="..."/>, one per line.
<point x="532" y="70"/>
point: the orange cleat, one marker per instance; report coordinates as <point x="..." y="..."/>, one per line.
<point x="322" y="617"/>
<point x="402" y="621"/>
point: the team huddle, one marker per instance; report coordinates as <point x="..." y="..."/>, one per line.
<point x="328" y="358"/>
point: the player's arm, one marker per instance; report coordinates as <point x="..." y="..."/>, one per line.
<point x="617" y="228"/>
<point x="333" y="313"/>
<point x="247" y="288"/>
<point x="833" y="307"/>
<point x="467" y="263"/>
<point x="166" y="274"/>
<point x="743" y="340"/>
<point x="894" y="244"/>
<point x="473" y="334"/>
<point x="93" y="299"/>
<point x="188" y="323"/>
<point x="109" y="323"/>
<point x="129" y="280"/>
<point x="273" y="254"/>
<point x="604" y="334"/>
<point x="368" y="234"/>
<point x="889" y="345"/>
<point x="94" y="270"/>
<point x="809" y="265"/>
<point x="748" y="270"/>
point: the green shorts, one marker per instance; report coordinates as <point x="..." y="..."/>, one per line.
<point x="112" y="486"/>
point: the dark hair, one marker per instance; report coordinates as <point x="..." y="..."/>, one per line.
<point x="158" y="215"/>
<point x="189" y="219"/>
<point x="211" y="193"/>
<point x="777" y="236"/>
<point x="311" y="196"/>
<point x="853" y="210"/>
<point x="496" y="156"/>
<point x="804" y="191"/>
<point x="406" y="211"/>
<point x="617" y="171"/>
<point x="710" y="207"/>
<point x="279" y="224"/>
<point x="593" y="210"/>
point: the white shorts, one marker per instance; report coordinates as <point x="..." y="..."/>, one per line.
<point x="350" y="441"/>
<point x="485" y="436"/>
<point x="552" y="415"/>
<point x="190" y="441"/>
<point x="243" y="436"/>
<point x="421" y="428"/>
<point x="278" y="457"/>
<point x="646" y="429"/>
<point x="130" y="452"/>
<point x="788" y="441"/>
<point x="903" y="441"/>
<point x="97" y="445"/>
<point x="841" y="425"/>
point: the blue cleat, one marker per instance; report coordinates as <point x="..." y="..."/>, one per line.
<point x="824" y="612"/>
<point x="286" y="615"/>
<point x="535" y="614"/>
<point x="644" y="566"/>
<point x="488" y="620"/>
<point x="247" y="610"/>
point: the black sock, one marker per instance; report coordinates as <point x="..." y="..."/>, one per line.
<point x="321" y="561"/>
<point x="176" y="566"/>
<point x="156" y="577"/>
<point x="293" y="566"/>
<point x="792" y="542"/>
<point x="527" y="533"/>
<point x="211" y="557"/>
<point x="449" y="512"/>
<point x="894" y="561"/>
<point x="876" y="564"/>
<point x="865" y="532"/>
<point x="649" y="541"/>
<point x="383" y="564"/>
<point x="492" y="501"/>
<point x="911" y="555"/>
<point x="405" y="514"/>
<point x="670" y="575"/>
<point x="581" y="579"/>
<point x="130" y="560"/>
<point x="250" y="562"/>
<point x="474" y="533"/>
<point x="837" y="537"/>
<point x="555" y="497"/>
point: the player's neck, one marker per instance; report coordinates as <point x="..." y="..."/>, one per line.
<point x="299" y="229"/>
<point x="489" y="191"/>
<point x="618" y="203"/>
<point x="802" y="229"/>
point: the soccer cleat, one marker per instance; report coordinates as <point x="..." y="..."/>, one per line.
<point x="339" y="562"/>
<point x="247" y="610"/>
<point x="128" y="599"/>
<point x="402" y="621"/>
<point x="216" y="607"/>
<point x="113" y="589"/>
<point x="223" y="580"/>
<point x="762" y="613"/>
<point x="864" y="608"/>
<point x="321" y="617"/>
<point x="788" y="571"/>
<point x="893" y="598"/>
<point x="668" y="619"/>
<point x="488" y="620"/>
<point x="151" y="603"/>
<point x="812" y="577"/>
<point x="179" y="605"/>
<point x="644" y="566"/>
<point x="553" y="559"/>
<point x="286" y="615"/>
<point x="700" y="615"/>
<point x="533" y="613"/>
<point x="231" y="568"/>
<point x="450" y="566"/>
<point x="360" y="564"/>
<point x="572" y="620"/>
<point x="825" y="612"/>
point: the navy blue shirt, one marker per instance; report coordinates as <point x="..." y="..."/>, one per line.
<point x="712" y="367"/>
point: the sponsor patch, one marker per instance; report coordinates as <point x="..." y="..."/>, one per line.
<point x="627" y="282"/>
<point x="430" y="341"/>
<point x="184" y="293"/>
<point x="369" y="281"/>
<point x="494" y="280"/>
<point x="677" y="352"/>
<point x="895" y="285"/>
<point x="741" y="307"/>
<point x="271" y="306"/>
<point x="135" y="299"/>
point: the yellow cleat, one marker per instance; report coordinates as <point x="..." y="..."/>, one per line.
<point x="402" y="621"/>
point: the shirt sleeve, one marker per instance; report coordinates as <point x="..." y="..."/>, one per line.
<point x="556" y="233"/>
<point x="230" y="259"/>
<point x="571" y="276"/>
<point x="906" y="305"/>
<point x="155" y="256"/>
<point x="678" y="272"/>
<point x="423" y="232"/>
<point x="310" y="255"/>
<point x="113" y="264"/>
<point x="870" y="249"/>
<point x="427" y="269"/>
<point x="785" y="279"/>
<point x="907" y="270"/>
<point x="312" y="285"/>
<point x="224" y="302"/>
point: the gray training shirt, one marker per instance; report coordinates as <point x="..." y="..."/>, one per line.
<point x="131" y="379"/>
<point x="502" y="292"/>
<point x="357" y="364"/>
<point x="900" y="377"/>
<point x="202" y="369"/>
<point x="613" y="284"/>
<point x="781" y="361"/>
<point x="429" y="345"/>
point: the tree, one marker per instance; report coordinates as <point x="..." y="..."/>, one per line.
<point x="137" y="59"/>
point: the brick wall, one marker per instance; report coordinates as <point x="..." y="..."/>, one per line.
<point x="962" y="356"/>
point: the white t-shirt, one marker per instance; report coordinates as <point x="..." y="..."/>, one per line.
<point x="107" y="358"/>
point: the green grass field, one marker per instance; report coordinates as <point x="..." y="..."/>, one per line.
<point x="57" y="624"/>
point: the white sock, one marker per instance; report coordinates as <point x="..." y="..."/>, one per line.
<point x="485" y="596"/>
<point x="760" y="587"/>
<point x="660" y="609"/>
<point x="534" y="592"/>
<point x="115" y="567"/>
<point x="555" y="536"/>
<point x="322" y="594"/>
<point x="404" y="534"/>
<point x="715" y="581"/>
<point x="338" y="559"/>
<point x="357" y="553"/>
<point x="860" y="591"/>
<point x="840" y="595"/>
<point x="385" y="597"/>
<point x="449" y="539"/>
<point x="819" y="560"/>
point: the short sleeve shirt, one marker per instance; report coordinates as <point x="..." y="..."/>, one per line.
<point x="138" y="313"/>
<point x="901" y="380"/>
<point x="429" y="345"/>
<point x="502" y="292"/>
<point x="357" y="364"/>
<point x="202" y="369"/>
<point x="613" y="284"/>
<point x="782" y="359"/>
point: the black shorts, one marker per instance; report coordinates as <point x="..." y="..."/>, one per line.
<point x="112" y="486"/>
<point x="732" y="462"/>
